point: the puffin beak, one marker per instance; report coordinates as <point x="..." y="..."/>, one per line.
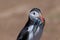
<point x="42" y="18"/>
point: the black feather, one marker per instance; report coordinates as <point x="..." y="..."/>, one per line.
<point x="23" y="35"/>
<point x="36" y="9"/>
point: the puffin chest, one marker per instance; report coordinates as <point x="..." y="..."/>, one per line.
<point x="33" y="31"/>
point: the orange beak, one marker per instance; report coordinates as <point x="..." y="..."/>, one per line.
<point x="42" y="18"/>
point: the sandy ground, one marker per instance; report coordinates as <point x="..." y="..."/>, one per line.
<point x="14" y="15"/>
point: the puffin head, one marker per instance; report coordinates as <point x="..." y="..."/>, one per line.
<point x="35" y="14"/>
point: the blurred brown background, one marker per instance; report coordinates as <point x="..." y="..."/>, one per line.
<point x="14" y="15"/>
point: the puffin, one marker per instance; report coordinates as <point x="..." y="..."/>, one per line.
<point x="33" y="28"/>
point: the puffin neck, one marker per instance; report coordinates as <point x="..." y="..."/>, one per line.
<point x="31" y="21"/>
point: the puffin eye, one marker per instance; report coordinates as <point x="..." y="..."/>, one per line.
<point x="34" y="13"/>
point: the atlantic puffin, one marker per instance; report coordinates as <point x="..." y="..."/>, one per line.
<point x="34" y="26"/>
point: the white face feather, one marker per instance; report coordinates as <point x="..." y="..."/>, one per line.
<point x="34" y="15"/>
